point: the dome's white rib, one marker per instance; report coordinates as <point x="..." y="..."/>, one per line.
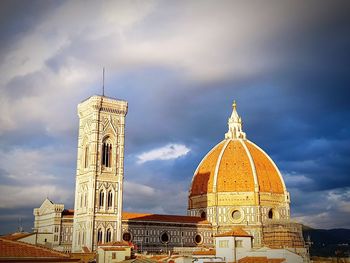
<point x="218" y="165"/>
<point x="252" y="164"/>
<point x="274" y="165"/>
<point x="199" y="165"/>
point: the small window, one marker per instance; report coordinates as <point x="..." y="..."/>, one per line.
<point x="110" y="199"/>
<point x="113" y="255"/>
<point x="106" y="153"/>
<point x="108" y="235"/>
<point x="223" y="243"/>
<point x="102" y="198"/>
<point x="239" y="243"/>
<point x="99" y="236"/>
<point x="86" y="156"/>
<point x="203" y="215"/>
<point x="81" y="200"/>
<point x="270" y="214"/>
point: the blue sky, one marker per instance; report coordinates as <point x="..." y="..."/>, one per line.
<point x="180" y="65"/>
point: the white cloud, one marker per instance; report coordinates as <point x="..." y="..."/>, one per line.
<point x="167" y="152"/>
<point x="322" y="209"/>
<point x="293" y="179"/>
<point x="19" y="196"/>
<point x="131" y="188"/>
<point x="139" y="197"/>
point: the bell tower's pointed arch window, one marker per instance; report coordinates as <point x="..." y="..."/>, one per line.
<point x="102" y="198"/>
<point x="110" y="199"/>
<point x="99" y="235"/>
<point x="107" y="152"/>
<point x="86" y="156"/>
<point x="108" y="235"/>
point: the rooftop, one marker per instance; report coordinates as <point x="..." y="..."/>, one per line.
<point x="235" y="232"/>
<point x="10" y="249"/>
<point x="163" y="218"/>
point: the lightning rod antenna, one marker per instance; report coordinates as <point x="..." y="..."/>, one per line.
<point x="103" y="82"/>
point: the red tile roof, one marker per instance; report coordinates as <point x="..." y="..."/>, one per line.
<point x="16" y="249"/>
<point x="235" y="232"/>
<point x="115" y="244"/>
<point x="16" y="235"/>
<point x="152" y="217"/>
<point x="113" y="248"/>
<point x="68" y="213"/>
<point x="163" y="218"/>
<point x="205" y="253"/>
<point x="261" y="260"/>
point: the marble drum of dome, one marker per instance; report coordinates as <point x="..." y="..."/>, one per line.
<point x="237" y="183"/>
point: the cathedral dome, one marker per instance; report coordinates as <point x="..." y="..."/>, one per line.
<point x="236" y="165"/>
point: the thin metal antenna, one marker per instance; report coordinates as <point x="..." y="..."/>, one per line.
<point x="103" y="82"/>
<point x="20" y="227"/>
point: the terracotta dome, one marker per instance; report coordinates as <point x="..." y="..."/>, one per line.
<point x="236" y="165"/>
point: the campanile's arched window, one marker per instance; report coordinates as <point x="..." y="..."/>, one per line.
<point x="108" y="235"/>
<point x="86" y="156"/>
<point x="107" y="153"/>
<point x="102" y="198"/>
<point x="109" y="199"/>
<point x="99" y="235"/>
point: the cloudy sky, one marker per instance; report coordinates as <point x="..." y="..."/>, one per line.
<point x="179" y="64"/>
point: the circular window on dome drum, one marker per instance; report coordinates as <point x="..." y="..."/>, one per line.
<point x="198" y="239"/>
<point x="236" y="215"/>
<point x="127" y="236"/>
<point x="164" y="237"/>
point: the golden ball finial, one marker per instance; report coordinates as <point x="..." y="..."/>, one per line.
<point x="234" y="105"/>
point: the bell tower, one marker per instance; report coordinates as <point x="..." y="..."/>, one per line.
<point x="100" y="172"/>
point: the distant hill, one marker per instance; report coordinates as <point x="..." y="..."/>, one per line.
<point x="328" y="242"/>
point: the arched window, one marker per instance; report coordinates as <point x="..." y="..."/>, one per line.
<point x="86" y="156"/>
<point x="78" y="238"/>
<point x="108" y="235"/>
<point x="106" y="153"/>
<point x="273" y="214"/>
<point x="83" y="237"/>
<point x="85" y="199"/>
<point x="99" y="235"/>
<point x="81" y="200"/>
<point x="110" y="199"/>
<point x="102" y="198"/>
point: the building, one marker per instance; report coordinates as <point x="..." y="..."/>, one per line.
<point x="53" y="218"/>
<point x="100" y="171"/>
<point x="236" y="246"/>
<point x="235" y="185"/>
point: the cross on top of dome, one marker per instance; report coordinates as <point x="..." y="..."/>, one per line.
<point x="235" y="125"/>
